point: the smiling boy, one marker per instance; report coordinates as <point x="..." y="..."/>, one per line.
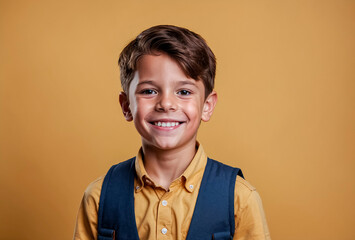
<point x="171" y="189"/>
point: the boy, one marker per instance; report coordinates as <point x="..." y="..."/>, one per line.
<point x="171" y="190"/>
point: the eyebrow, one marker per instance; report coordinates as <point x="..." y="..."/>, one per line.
<point x="184" y="82"/>
<point x="187" y="83"/>
<point x="146" y="82"/>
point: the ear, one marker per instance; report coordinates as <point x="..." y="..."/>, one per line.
<point x="209" y="106"/>
<point x="124" y="102"/>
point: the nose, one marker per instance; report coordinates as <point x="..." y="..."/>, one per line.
<point x="166" y="102"/>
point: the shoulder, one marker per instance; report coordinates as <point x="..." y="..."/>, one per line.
<point x="243" y="192"/>
<point x="245" y="196"/>
<point x="244" y="185"/>
<point x="93" y="191"/>
<point x="86" y="221"/>
<point x="248" y="212"/>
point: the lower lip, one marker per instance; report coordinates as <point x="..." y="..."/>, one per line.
<point x="166" y="128"/>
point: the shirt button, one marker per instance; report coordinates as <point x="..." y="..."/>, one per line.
<point x="191" y="187"/>
<point x="164" y="202"/>
<point x="164" y="231"/>
<point x="137" y="188"/>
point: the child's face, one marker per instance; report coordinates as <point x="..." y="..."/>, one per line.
<point x="165" y="105"/>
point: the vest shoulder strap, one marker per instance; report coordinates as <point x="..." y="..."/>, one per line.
<point x="116" y="217"/>
<point x="213" y="215"/>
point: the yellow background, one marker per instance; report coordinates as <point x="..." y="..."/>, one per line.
<point x="285" y="78"/>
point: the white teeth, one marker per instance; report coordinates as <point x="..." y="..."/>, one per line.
<point x="166" y="124"/>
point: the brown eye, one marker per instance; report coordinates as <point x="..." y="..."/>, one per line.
<point x="148" y="91"/>
<point x="184" y="92"/>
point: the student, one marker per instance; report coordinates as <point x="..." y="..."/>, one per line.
<point x="171" y="189"/>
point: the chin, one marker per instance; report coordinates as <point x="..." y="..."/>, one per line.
<point x="165" y="145"/>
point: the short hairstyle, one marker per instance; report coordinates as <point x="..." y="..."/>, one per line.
<point x="189" y="49"/>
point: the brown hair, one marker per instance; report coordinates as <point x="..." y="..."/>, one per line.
<point x="189" y="49"/>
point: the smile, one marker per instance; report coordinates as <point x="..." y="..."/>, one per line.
<point x="166" y="124"/>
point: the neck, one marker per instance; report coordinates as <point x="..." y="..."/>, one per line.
<point x="164" y="166"/>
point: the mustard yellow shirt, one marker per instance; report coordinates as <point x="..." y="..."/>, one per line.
<point x="166" y="214"/>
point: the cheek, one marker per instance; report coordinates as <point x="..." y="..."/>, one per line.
<point x="193" y="110"/>
<point x="141" y="107"/>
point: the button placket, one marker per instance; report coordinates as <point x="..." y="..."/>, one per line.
<point x="164" y="216"/>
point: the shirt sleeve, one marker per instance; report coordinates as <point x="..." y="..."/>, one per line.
<point x="86" y="222"/>
<point x="250" y="221"/>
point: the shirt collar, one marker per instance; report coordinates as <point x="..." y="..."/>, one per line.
<point x="191" y="176"/>
<point x="194" y="172"/>
<point x="140" y="170"/>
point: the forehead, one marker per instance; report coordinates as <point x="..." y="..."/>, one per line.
<point x="159" y="64"/>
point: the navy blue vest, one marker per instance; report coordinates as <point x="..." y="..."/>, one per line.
<point x="213" y="216"/>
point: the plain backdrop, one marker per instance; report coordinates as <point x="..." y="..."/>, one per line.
<point x="286" y="110"/>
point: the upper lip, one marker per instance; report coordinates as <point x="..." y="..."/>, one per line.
<point x="165" y="120"/>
